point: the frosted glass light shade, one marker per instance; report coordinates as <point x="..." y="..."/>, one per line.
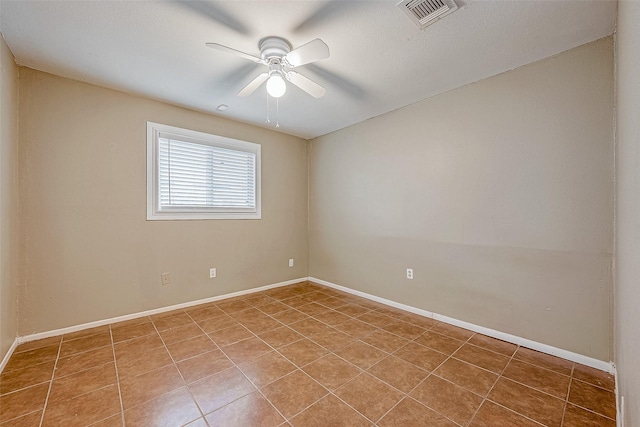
<point x="276" y="86"/>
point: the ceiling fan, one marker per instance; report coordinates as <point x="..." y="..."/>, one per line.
<point x="276" y="54"/>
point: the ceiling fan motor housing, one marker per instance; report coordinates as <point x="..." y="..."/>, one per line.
<point x="273" y="47"/>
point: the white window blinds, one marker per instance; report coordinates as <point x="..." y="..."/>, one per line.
<point x="193" y="175"/>
<point x="197" y="175"/>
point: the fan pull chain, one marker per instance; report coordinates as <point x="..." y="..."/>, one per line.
<point x="277" y="113"/>
<point x="268" y="120"/>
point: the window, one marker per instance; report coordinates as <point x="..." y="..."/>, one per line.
<point x="194" y="175"/>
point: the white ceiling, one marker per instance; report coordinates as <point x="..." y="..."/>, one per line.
<point x="380" y="60"/>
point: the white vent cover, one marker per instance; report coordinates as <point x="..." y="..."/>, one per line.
<point x="426" y="12"/>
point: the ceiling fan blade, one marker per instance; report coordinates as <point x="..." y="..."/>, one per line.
<point x="208" y="9"/>
<point x="254" y="84"/>
<point x="307" y="85"/>
<point x="226" y="49"/>
<point x="329" y="12"/>
<point x="350" y="87"/>
<point x="313" y="51"/>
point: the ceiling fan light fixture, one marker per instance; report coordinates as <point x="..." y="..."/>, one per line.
<point x="276" y="86"/>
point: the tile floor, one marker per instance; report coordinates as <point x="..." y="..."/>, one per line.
<point x="301" y="355"/>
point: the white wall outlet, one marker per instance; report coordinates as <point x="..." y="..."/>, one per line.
<point x="212" y="273"/>
<point x="291" y="262"/>
<point x="165" y="278"/>
<point x="410" y="273"/>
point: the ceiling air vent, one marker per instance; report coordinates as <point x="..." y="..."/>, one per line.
<point x="426" y="12"/>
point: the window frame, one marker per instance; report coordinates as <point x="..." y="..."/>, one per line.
<point x="154" y="212"/>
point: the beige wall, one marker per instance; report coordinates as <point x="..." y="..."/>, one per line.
<point x="8" y="198"/>
<point x="89" y="252"/>
<point x="627" y="291"/>
<point x="499" y="195"/>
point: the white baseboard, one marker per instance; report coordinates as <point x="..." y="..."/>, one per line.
<point x="534" y="345"/>
<point x="67" y="330"/>
<point x="7" y="356"/>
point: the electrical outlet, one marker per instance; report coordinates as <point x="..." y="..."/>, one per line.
<point x="165" y="278"/>
<point x="212" y="273"/>
<point x="291" y="262"/>
<point x="410" y="273"/>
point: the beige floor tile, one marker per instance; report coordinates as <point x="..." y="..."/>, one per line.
<point x="303" y="352"/>
<point x="267" y="369"/>
<point x="331" y="371"/>
<point x="452" y="331"/>
<point x="594" y="398"/>
<point x="246" y="350"/>
<point x="492" y="415"/>
<point x="495" y="345"/>
<point x="452" y="401"/>
<point x="81" y="361"/>
<point x="171" y="320"/>
<point x="175" y="408"/>
<point x="203" y="365"/>
<point x="579" y="417"/>
<point x="329" y="412"/>
<point x="31" y="357"/>
<point x="378" y="399"/>
<point x="439" y="342"/>
<point x="148" y="386"/>
<point x="293" y="393"/>
<point x="529" y="402"/>
<point x="130" y="331"/>
<point x="181" y="333"/>
<point x="411" y="413"/>
<point x="252" y="410"/>
<point x="361" y="354"/>
<point x="485" y="359"/>
<point x="421" y="356"/>
<point x="29" y="420"/>
<point x="546" y="361"/>
<point x="191" y="347"/>
<point x="85" y="409"/>
<point x="468" y="376"/>
<point x="594" y="376"/>
<point x="400" y="374"/>
<point x="220" y="389"/>
<point x="26" y="377"/>
<point x="539" y="378"/>
<point x="82" y="382"/>
<point x="385" y="341"/>
<point x="23" y="402"/>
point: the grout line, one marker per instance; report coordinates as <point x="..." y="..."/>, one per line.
<point x="500" y="375"/>
<point x="53" y="374"/>
<point x="175" y="365"/>
<point x="592" y="411"/>
<point x="432" y="373"/>
<point x="115" y="365"/>
<point x="566" y="399"/>
<point x="251" y="382"/>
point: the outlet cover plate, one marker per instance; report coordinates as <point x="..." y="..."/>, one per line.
<point x="165" y="278"/>
<point x="410" y="273"/>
